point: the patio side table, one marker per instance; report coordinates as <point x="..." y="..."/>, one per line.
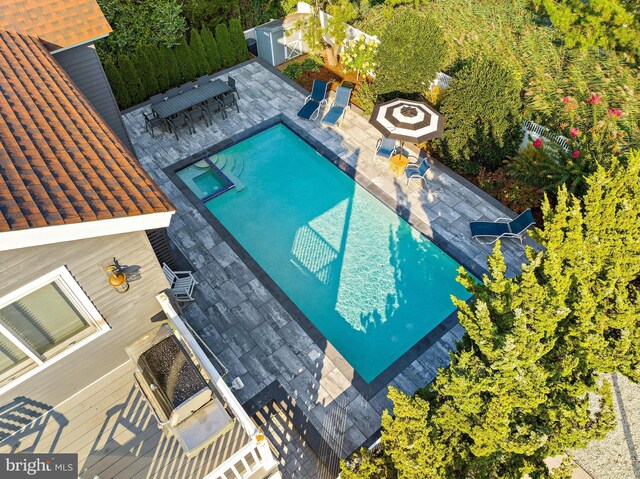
<point x="398" y="163"/>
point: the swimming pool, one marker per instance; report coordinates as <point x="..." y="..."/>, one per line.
<point x="372" y="284"/>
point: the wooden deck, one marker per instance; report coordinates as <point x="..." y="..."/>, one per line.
<point x="112" y="429"/>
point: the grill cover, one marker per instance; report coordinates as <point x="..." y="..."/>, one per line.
<point x="167" y="366"/>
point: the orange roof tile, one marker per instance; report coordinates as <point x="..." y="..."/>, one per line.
<point x="59" y="162"/>
<point x="57" y="23"/>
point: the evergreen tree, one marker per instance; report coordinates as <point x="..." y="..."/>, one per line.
<point x="118" y="85"/>
<point x="146" y="72"/>
<point x="526" y="383"/>
<point x="483" y="123"/>
<point x="211" y="48"/>
<point x="199" y="54"/>
<point x="186" y="62"/>
<point x="227" y="55"/>
<point x="403" y="63"/>
<point x="238" y="41"/>
<point x="156" y="57"/>
<point x="171" y="64"/>
<point x="132" y="80"/>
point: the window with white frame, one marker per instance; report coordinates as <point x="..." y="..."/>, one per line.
<point x="43" y="321"/>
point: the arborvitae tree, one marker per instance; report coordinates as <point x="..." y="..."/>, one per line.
<point x="157" y="59"/>
<point x="211" y="49"/>
<point x="526" y="383"/>
<point x="171" y="64"/>
<point x="118" y="85"/>
<point x="146" y="72"/>
<point x="238" y="41"/>
<point x="227" y="54"/>
<point x="186" y="62"/>
<point x="403" y="64"/>
<point x="130" y="75"/>
<point x="199" y="54"/>
<point x="483" y="123"/>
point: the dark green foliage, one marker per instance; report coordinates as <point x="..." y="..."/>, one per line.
<point x="118" y="85"/>
<point x="238" y="41"/>
<point x="132" y="80"/>
<point x="171" y="65"/>
<point x="294" y="70"/>
<point x="157" y="60"/>
<point x="411" y="53"/>
<point x="186" y="62"/>
<point x="227" y="53"/>
<point x="210" y="48"/>
<point x="206" y="12"/>
<point x="199" y="55"/>
<point x="140" y="23"/>
<point x="146" y="72"/>
<point x="482" y="115"/>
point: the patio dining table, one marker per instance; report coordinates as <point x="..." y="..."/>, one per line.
<point x="189" y="98"/>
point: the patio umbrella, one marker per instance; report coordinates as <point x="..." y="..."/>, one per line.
<point x="407" y="120"/>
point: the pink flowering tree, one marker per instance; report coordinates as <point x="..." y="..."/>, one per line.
<point x="594" y="134"/>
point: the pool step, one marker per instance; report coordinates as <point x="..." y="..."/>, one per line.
<point x="232" y="169"/>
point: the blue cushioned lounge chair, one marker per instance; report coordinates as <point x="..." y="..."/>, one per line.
<point x="502" y="228"/>
<point x="338" y="108"/>
<point x="386" y="148"/>
<point x="314" y="102"/>
<point x="417" y="171"/>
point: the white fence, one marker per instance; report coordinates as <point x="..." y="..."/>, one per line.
<point x="533" y="131"/>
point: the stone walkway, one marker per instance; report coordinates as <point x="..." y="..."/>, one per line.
<point x="256" y="332"/>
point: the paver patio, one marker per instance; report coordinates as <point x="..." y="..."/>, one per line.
<point x="258" y="334"/>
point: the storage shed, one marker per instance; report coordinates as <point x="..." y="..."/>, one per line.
<point x="280" y="40"/>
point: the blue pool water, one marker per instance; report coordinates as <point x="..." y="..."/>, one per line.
<point x="371" y="283"/>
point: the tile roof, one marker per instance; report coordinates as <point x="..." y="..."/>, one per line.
<point x="57" y="23"/>
<point x="59" y="162"/>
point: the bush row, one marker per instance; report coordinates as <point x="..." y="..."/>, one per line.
<point x="152" y="69"/>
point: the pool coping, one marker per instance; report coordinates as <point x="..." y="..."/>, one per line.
<point x="367" y="389"/>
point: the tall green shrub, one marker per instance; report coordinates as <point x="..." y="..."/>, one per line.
<point x="118" y="86"/>
<point x="171" y="64"/>
<point x="482" y="112"/>
<point x="238" y="41"/>
<point x="411" y="53"/>
<point x="186" y="62"/>
<point x="227" y="54"/>
<point x="130" y="76"/>
<point x="199" y="54"/>
<point x="210" y="48"/>
<point x="146" y="72"/>
<point x="157" y="59"/>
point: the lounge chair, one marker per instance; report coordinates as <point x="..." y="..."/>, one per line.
<point x="502" y="228"/>
<point x="336" y="113"/>
<point x="417" y="171"/>
<point x="314" y="102"/>
<point x="385" y="147"/>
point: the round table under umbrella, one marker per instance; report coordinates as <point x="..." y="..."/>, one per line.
<point x="407" y="120"/>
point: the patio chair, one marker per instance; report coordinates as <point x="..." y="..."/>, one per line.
<point x="180" y="121"/>
<point x="203" y="79"/>
<point x="172" y="92"/>
<point x="232" y="83"/>
<point x="336" y="113"/>
<point x="213" y="106"/>
<point x="151" y="122"/>
<point x="198" y="112"/>
<point x="229" y="101"/>
<point x="417" y="171"/>
<point x="386" y="148"/>
<point x="181" y="283"/>
<point x="157" y="98"/>
<point x="314" y="102"/>
<point x="502" y="228"/>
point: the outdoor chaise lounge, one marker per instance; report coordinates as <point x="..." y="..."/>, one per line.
<point x="314" y="102"/>
<point x="338" y="108"/>
<point x="502" y="228"/>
